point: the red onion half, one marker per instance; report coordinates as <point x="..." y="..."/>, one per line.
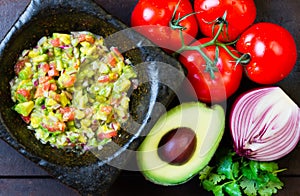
<point x="265" y="124"/>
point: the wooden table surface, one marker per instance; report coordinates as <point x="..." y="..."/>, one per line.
<point x="19" y="176"/>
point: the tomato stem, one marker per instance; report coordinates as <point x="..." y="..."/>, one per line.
<point x="174" y="23"/>
<point x="211" y="64"/>
<point x="243" y="59"/>
<point x="222" y="22"/>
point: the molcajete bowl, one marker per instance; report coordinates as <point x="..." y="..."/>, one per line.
<point x="87" y="172"/>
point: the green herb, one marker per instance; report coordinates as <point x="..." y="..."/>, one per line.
<point x="234" y="175"/>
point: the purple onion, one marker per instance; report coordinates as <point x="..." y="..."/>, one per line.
<point x="265" y="124"/>
<point x="64" y="46"/>
<point x="36" y="83"/>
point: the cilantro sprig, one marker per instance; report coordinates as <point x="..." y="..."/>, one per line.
<point x="234" y="175"/>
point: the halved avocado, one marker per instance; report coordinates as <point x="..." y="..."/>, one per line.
<point x="208" y="124"/>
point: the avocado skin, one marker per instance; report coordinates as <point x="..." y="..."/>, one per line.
<point x="209" y="125"/>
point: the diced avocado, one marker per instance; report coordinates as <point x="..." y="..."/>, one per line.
<point x="57" y="51"/>
<point x="100" y="116"/>
<point x="122" y="85"/>
<point x="82" y="139"/>
<point x="50" y="102"/>
<point x="33" y="53"/>
<point x="35" y="121"/>
<point x="59" y="65"/>
<point x="21" y="98"/>
<point x="207" y="123"/>
<point x="79" y="114"/>
<point x="64" y="99"/>
<point x="91" y="50"/>
<point x="25" y="73"/>
<point x="85" y="122"/>
<point x="105" y="92"/>
<point x="40" y="100"/>
<point x="103" y="68"/>
<point x="85" y="44"/>
<point x="59" y="116"/>
<point x="24" y="108"/>
<point x="129" y="72"/>
<point x="40" y="58"/>
<point x="65" y="38"/>
<point x="71" y="123"/>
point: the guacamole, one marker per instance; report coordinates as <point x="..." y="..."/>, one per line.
<point x="72" y="90"/>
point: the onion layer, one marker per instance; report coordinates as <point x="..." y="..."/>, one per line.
<point x="265" y="124"/>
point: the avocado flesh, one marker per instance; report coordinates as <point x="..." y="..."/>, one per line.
<point x="24" y="108"/>
<point x="208" y="124"/>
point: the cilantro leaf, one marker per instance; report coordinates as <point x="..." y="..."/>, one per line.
<point x="237" y="176"/>
<point x="204" y="173"/>
<point x="254" y="166"/>
<point x="209" y="185"/>
<point x="235" y="169"/>
<point x="225" y="167"/>
<point x="271" y="185"/>
<point x="268" y="166"/>
<point x="248" y="173"/>
<point x="248" y="186"/>
<point x="216" y="178"/>
<point x="218" y="191"/>
<point x="233" y="189"/>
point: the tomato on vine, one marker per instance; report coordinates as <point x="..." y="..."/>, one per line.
<point x="215" y="75"/>
<point x="272" y="52"/>
<point x="161" y="21"/>
<point x="240" y="15"/>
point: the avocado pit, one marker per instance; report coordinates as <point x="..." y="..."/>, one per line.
<point x="177" y="146"/>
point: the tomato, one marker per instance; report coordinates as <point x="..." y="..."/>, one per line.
<point x="68" y="113"/>
<point x="107" y="135"/>
<point x="117" y="53"/>
<point x="19" y="66"/>
<point x="69" y="80"/>
<point x="55" y="126"/>
<point x="53" y="87"/>
<point x="55" y="42"/>
<point x="44" y="79"/>
<point x="272" y="51"/>
<point x="53" y="72"/>
<point x="39" y="92"/>
<point x="103" y="78"/>
<point x="85" y="37"/>
<point x="26" y="119"/>
<point x="152" y="18"/>
<point x="25" y="94"/>
<point x="106" y="109"/>
<point x="45" y="67"/>
<point x="240" y="15"/>
<point x="227" y="77"/>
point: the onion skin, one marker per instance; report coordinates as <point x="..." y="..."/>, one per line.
<point x="265" y="124"/>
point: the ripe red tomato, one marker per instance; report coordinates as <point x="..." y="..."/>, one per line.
<point x="240" y="15"/>
<point x="24" y="93"/>
<point x="227" y="78"/>
<point x="152" y="18"/>
<point x="272" y="51"/>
